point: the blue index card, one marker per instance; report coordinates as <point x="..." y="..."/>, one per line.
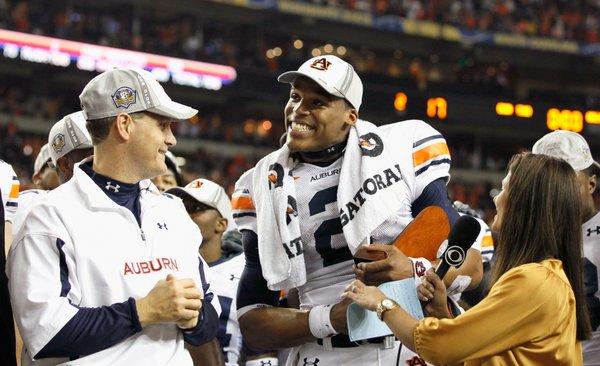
<point x="364" y="324"/>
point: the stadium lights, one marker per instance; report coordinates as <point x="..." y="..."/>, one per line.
<point x="91" y="57"/>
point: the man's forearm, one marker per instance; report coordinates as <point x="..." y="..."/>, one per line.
<point x="209" y="353"/>
<point x="275" y="328"/>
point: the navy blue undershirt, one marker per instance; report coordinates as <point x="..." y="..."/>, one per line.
<point x="123" y="194"/>
<point x="92" y="330"/>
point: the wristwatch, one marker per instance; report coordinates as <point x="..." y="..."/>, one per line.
<point x="385" y="305"/>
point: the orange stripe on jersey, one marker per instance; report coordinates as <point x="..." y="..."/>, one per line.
<point x="14" y="191"/>
<point x="430" y="152"/>
<point x="487" y="241"/>
<point x="242" y="203"/>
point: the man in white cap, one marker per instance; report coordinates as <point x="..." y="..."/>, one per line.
<point x="209" y="207"/>
<point x="573" y="148"/>
<point x="69" y="144"/>
<point x="44" y="177"/>
<point x="106" y="269"/>
<point x="305" y="209"/>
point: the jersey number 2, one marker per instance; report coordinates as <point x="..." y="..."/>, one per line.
<point x="328" y="228"/>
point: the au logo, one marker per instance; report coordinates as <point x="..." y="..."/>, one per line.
<point x="275" y="176"/>
<point x="291" y="210"/>
<point x="196" y="184"/>
<point x="124" y="97"/>
<point x="58" y="142"/>
<point x="370" y="144"/>
<point x="321" y="64"/>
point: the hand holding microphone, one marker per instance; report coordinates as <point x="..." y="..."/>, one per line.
<point x="432" y="290"/>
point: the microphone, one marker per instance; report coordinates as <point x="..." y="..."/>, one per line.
<point x="462" y="236"/>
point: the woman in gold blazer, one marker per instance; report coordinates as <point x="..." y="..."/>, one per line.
<point x="534" y="313"/>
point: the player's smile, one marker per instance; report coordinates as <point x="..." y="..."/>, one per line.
<point x="315" y="119"/>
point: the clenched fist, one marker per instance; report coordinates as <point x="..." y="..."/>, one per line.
<point x="171" y="300"/>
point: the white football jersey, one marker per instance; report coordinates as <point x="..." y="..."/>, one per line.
<point x="327" y="256"/>
<point x="9" y="185"/>
<point x="591" y="254"/>
<point x="225" y="278"/>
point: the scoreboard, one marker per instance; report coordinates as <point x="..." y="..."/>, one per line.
<point x="492" y="112"/>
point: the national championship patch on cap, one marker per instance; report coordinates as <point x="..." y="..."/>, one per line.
<point x="124" y="97"/>
<point x="67" y="135"/>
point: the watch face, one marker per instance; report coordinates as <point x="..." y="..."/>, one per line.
<point x="387" y="303"/>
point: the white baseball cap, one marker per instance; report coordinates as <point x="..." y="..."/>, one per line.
<point x="41" y="159"/>
<point x="129" y="90"/>
<point x="207" y="192"/>
<point x="333" y="74"/>
<point x="67" y="135"/>
<point x="567" y="145"/>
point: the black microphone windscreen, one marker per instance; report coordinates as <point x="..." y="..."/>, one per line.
<point x="464" y="232"/>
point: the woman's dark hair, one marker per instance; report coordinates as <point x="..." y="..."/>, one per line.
<point x="542" y="220"/>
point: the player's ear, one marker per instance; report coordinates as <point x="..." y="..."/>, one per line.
<point x="592" y="184"/>
<point x="123" y="126"/>
<point x="221" y="225"/>
<point x="351" y="114"/>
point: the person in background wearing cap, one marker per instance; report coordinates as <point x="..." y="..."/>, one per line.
<point x="9" y="195"/>
<point x="172" y="177"/>
<point x="292" y="197"/>
<point x="210" y="208"/>
<point x="105" y="270"/>
<point x="44" y="177"/>
<point x="573" y="148"/>
<point x="69" y="144"/>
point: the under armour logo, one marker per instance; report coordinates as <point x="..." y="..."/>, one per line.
<point x="310" y="363"/>
<point x="265" y="363"/>
<point x="233" y="277"/>
<point x="162" y="226"/>
<point x="590" y="231"/>
<point x="114" y="188"/>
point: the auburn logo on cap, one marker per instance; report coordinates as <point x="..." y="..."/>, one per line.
<point x="321" y="64"/>
<point x="196" y="184"/>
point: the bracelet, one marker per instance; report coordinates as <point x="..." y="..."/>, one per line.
<point x="319" y="321"/>
<point x="267" y="361"/>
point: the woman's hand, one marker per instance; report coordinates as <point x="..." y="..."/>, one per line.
<point x="365" y="296"/>
<point x="433" y="291"/>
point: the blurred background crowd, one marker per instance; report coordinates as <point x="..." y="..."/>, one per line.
<point x="241" y="122"/>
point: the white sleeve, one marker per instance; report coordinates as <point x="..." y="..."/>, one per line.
<point x="9" y="185"/>
<point x="244" y="212"/>
<point x="42" y="283"/>
<point x="430" y="156"/>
